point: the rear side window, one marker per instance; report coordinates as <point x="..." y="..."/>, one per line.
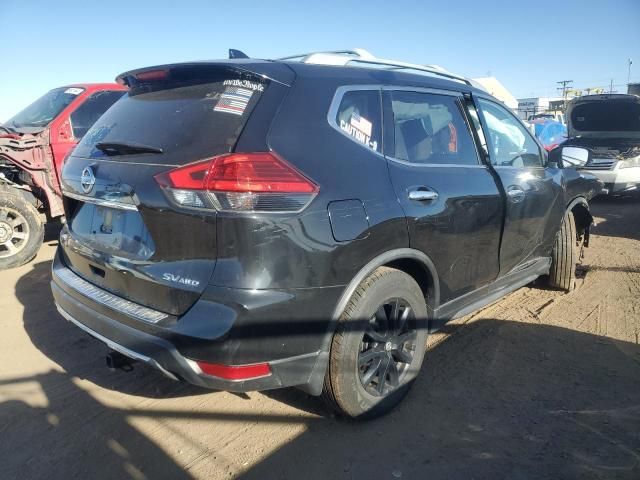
<point x="430" y="129"/>
<point x="188" y="117"/>
<point x="93" y="107"/>
<point x="359" y="117"/>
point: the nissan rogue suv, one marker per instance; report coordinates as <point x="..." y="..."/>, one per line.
<point x="251" y="224"/>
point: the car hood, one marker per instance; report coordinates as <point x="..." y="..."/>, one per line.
<point x="604" y="116"/>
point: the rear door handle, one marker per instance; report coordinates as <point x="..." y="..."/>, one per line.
<point x="422" y="194"/>
<point x="515" y="193"/>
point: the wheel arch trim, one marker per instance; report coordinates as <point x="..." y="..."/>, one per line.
<point x="316" y="379"/>
<point x="577" y="201"/>
<point x="582" y="216"/>
<point x="379" y="261"/>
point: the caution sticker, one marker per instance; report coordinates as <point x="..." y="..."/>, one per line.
<point x="360" y="129"/>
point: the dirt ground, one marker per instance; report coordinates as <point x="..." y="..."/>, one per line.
<point x="538" y="385"/>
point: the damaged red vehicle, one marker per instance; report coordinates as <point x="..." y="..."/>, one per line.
<point x="33" y="145"/>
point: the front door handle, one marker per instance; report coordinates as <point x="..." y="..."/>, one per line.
<point x="422" y="194"/>
<point x="515" y="193"/>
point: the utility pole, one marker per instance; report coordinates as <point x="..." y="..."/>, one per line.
<point x="564" y="88"/>
<point x="611" y="87"/>
<point x="629" y="73"/>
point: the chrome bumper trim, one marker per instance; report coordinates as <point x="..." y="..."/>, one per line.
<point x="107" y="299"/>
<point x="101" y="202"/>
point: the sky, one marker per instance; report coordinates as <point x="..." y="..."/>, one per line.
<point x="527" y="45"/>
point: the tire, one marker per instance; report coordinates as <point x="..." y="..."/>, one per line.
<point x="369" y="335"/>
<point x="21" y="229"/>
<point x="562" y="274"/>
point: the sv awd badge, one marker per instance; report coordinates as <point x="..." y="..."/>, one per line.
<point x="170" y="277"/>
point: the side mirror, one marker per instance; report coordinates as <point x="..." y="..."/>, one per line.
<point x="574" y="157"/>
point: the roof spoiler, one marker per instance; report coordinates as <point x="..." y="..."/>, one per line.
<point x="162" y="73"/>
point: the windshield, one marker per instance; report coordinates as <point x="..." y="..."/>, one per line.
<point x="41" y="112"/>
<point x="607" y="116"/>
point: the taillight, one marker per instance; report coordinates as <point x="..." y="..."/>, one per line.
<point x="239" y="182"/>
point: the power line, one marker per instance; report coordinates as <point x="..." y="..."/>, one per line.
<point x="564" y="84"/>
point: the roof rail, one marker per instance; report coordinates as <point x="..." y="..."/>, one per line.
<point x="359" y="55"/>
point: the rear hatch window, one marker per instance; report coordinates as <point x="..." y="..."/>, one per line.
<point x="183" y="115"/>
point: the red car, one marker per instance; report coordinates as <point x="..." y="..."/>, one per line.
<point x="33" y="145"/>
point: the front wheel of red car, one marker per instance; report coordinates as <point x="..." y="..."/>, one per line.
<point x="378" y="347"/>
<point x="21" y="230"/>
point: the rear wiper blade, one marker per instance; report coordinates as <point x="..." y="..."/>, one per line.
<point x="125" y="148"/>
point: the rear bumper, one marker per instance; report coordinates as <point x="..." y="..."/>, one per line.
<point x="173" y="346"/>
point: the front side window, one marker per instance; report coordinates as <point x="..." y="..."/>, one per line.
<point x="91" y="110"/>
<point x="359" y="117"/>
<point x="510" y="144"/>
<point x="430" y="129"/>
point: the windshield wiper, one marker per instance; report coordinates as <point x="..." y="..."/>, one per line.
<point x="8" y="129"/>
<point x="125" y="148"/>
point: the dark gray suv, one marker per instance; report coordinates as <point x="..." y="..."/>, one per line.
<point x="254" y="224"/>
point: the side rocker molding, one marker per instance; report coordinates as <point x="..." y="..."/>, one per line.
<point x="314" y="387"/>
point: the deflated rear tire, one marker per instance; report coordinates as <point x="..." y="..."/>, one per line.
<point x="21" y="230"/>
<point x="378" y="347"/>
<point x="562" y="274"/>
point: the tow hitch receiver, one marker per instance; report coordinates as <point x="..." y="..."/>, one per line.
<point x="117" y="361"/>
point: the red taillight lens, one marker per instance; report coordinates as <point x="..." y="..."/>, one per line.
<point x="256" y="172"/>
<point x="239" y="182"/>
<point x="190" y="177"/>
<point x="235" y="372"/>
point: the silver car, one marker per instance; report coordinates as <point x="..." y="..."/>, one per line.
<point x="608" y="127"/>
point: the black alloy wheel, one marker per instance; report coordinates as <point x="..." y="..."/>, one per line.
<point x="387" y="348"/>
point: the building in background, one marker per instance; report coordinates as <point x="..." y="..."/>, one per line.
<point x="535" y="105"/>
<point x="493" y="86"/>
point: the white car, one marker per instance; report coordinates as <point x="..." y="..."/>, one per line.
<point x="608" y="126"/>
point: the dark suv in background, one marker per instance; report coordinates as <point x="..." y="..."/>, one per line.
<point x="251" y="224"/>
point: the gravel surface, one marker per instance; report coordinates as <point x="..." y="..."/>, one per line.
<point x="538" y="385"/>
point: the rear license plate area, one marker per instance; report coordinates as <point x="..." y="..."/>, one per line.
<point x="112" y="230"/>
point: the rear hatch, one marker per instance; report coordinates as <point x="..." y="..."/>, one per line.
<point x="127" y="234"/>
<point x="604" y="117"/>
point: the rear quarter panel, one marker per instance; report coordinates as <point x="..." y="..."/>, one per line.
<point x="298" y="250"/>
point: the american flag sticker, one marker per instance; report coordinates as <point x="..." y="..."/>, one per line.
<point x="234" y="100"/>
<point x="361" y="124"/>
